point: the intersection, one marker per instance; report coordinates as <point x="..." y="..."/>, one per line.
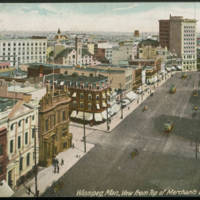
<point x="164" y="161"/>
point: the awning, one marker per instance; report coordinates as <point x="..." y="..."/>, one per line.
<point x="5" y="190"/>
<point x="98" y="107"/>
<point x="104" y="105"/>
<point x="88" y="116"/>
<point x="80" y="115"/>
<point x="74" y="94"/>
<point x="98" y="117"/>
<point x="104" y="114"/>
<point x="73" y="114"/>
<point x="131" y="95"/>
<point x="116" y="108"/>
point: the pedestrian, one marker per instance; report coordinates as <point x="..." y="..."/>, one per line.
<point x="58" y="168"/>
<point x="62" y="162"/>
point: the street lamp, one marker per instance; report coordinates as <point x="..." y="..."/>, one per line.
<point x="121" y="101"/>
<point x="108" y="127"/>
<point x="84" y="138"/>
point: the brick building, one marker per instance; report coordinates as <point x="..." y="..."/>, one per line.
<point x="89" y="94"/>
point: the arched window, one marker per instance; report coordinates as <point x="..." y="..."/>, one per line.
<point x="12" y="127"/>
<point x="19" y="123"/>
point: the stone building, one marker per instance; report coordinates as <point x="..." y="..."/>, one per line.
<point x="53" y="125"/>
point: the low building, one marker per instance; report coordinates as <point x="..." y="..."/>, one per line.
<point x="53" y="125"/>
<point x="88" y="94"/>
<point x="68" y="57"/>
<point x="151" y="75"/>
<point x="137" y="77"/>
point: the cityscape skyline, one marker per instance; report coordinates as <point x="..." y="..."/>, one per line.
<point x="92" y="16"/>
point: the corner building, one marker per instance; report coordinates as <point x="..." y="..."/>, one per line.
<point x="182" y="40"/>
<point x="54" y="136"/>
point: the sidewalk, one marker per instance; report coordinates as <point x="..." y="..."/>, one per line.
<point x="46" y="176"/>
<point x="116" y="119"/>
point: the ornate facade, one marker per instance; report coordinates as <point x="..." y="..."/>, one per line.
<point x="54" y="136"/>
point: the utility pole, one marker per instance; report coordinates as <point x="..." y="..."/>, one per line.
<point x="108" y="127"/>
<point x="35" y="167"/>
<point x="121" y="100"/>
<point x="84" y="138"/>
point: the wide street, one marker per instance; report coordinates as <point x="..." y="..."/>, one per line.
<point x="164" y="161"/>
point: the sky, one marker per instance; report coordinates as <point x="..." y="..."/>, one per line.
<point x="108" y="17"/>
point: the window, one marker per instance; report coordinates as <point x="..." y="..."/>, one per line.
<point x="12" y="126"/>
<point x="28" y="159"/>
<point x="89" y="106"/>
<point x="58" y="116"/>
<point x="33" y="133"/>
<point x="19" y="142"/>
<point x="1" y="149"/>
<point x="26" y="138"/>
<point x="19" y="123"/>
<point x="81" y="95"/>
<point x="64" y="115"/>
<point x="33" y="117"/>
<point x="11" y="146"/>
<point x="21" y="164"/>
<point x="97" y="97"/>
<point x="47" y="124"/>
<point x="89" y="97"/>
<point x="81" y="105"/>
<point x="65" y="145"/>
<point x="26" y="120"/>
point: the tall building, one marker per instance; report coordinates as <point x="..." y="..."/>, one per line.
<point x="22" y="51"/>
<point x="78" y="48"/>
<point x="179" y="35"/>
<point x="164" y="30"/>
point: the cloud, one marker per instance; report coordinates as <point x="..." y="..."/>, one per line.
<point x="61" y="15"/>
<point x="126" y="8"/>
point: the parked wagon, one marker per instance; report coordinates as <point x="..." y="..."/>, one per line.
<point x="172" y="89"/>
<point x="195" y="93"/>
<point x="145" y="108"/>
<point x="168" y="127"/>
<point x="184" y="76"/>
<point x="195" y="107"/>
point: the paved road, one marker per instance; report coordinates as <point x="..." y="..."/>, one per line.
<point x="164" y="161"/>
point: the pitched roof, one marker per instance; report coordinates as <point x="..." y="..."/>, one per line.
<point x="65" y="52"/>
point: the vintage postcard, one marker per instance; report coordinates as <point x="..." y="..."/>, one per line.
<point x="99" y="99"/>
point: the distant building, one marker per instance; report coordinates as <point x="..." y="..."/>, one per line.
<point x="21" y="51"/>
<point x="59" y="37"/>
<point x="179" y="35"/>
<point x="136" y="33"/>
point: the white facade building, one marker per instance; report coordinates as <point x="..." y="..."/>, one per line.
<point x="19" y="121"/>
<point x="22" y="51"/>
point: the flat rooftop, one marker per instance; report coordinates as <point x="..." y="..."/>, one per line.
<point x="6" y="103"/>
